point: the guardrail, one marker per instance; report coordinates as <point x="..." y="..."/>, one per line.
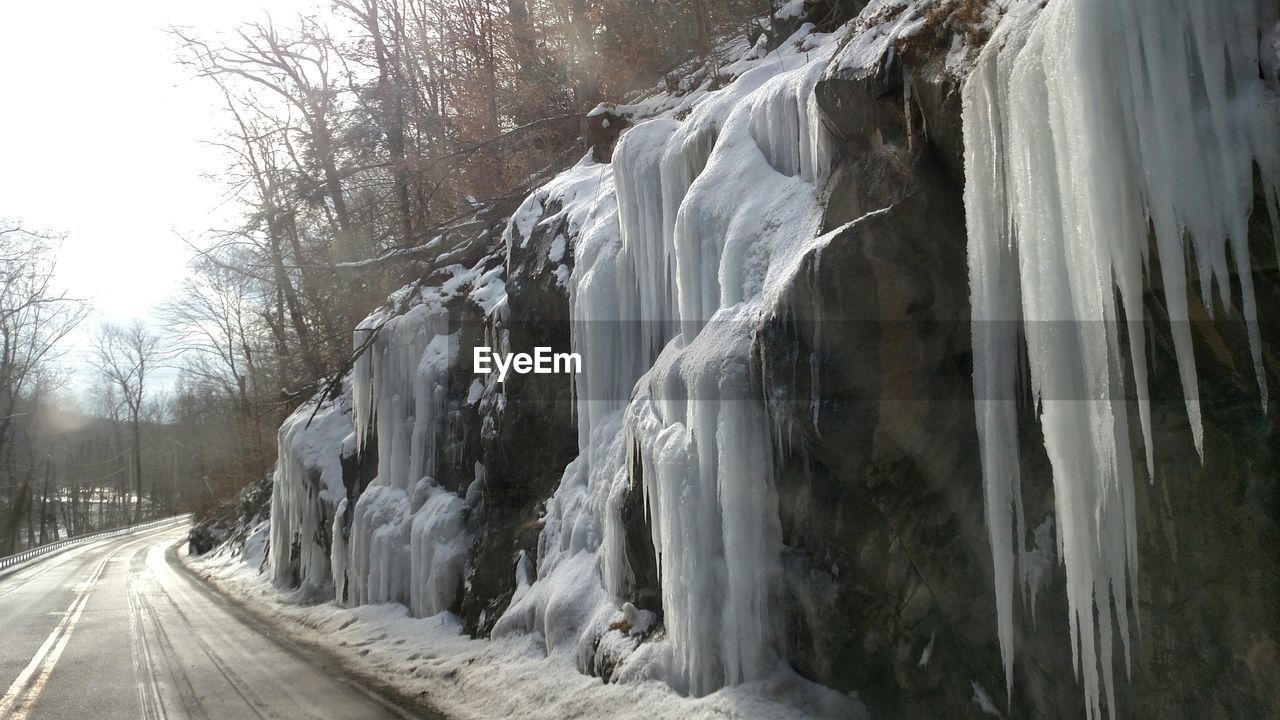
<point x="35" y="552"/>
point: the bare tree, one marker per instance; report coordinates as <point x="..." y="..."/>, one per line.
<point x="367" y="128"/>
<point x="297" y="71"/>
<point x="218" y="329"/>
<point x="35" y="319"/>
<point x="126" y="355"/>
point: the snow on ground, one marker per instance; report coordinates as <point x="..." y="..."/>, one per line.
<point x="467" y="678"/>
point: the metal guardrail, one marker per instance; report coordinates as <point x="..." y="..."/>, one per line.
<point x="35" y="552"/>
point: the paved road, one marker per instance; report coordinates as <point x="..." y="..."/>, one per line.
<point x="115" y="629"/>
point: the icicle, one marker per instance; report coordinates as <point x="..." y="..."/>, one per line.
<point x="1084" y="125"/>
<point x="407" y="541"/>
<point x="697" y="422"/>
<point x="638" y="167"/>
<point x="338" y="552"/>
<point x="438" y="550"/>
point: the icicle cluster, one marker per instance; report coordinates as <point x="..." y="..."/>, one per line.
<point x="697" y="424"/>
<point x="307" y="488"/>
<point x="674" y="254"/>
<point x="407" y="542"/>
<point x="679" y="247"/>
<point x="1085" y="125"/>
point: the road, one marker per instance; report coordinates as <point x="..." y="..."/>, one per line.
<point x="116" y="629"/>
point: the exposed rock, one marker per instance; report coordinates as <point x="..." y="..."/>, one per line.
<point x="529" y="435"/>
<point x="889" y="579"/>
<point x="604" y="126"/>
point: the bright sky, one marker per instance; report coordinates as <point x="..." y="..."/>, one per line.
<point x="102" y="137"/>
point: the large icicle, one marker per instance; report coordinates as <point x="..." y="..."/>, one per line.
<point x="1084" y="125"/>
<point x="696" y="422"/>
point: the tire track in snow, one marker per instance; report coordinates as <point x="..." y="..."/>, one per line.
<point x="255" y="704"/>
<point x="146" y="663"/>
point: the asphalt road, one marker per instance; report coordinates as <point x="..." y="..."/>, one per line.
<point x="117" y="629"/>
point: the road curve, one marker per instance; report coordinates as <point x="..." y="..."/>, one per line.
<point x="116" y="629"/>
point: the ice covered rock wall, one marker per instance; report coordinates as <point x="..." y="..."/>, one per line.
<point x="407" y="541"/>
<point x="707" y="209"/>
<point x="773" y="451"/>
<point x="307" y="492"/>
<point x="1095" y="131"/>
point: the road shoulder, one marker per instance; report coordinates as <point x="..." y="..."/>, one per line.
<point x="293" y="639"/>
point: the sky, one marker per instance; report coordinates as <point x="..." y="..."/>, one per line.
<point x="105" y="138"/>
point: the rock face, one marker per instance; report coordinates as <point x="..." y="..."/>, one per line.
<point x="888" y="566"/>
<point x="527" y="430"/>
<point x="868" y="362"/>
<point x="865" y="363"/>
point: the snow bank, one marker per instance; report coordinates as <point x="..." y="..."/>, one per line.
<point x="464" y="678"/>
<point x="1085" y="125"/>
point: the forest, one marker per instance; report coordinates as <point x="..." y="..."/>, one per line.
<point x="350" y="132"/>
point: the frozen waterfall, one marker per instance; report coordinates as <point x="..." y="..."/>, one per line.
<point x="407" y="541"/>
<point x="686" y="233"/>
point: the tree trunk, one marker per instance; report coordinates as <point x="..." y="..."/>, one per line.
<point x="702" y="28"/>
<point x="392" y="105"/>
<point x="31" y="521"/>
<point x="15" y="516"/>
<point x="291" y="302"/>
<point x="587" y="86"/>
<point x="76" y="526"/>
<point x="524" y="45"/>
<point x="137" y="469"/>
<point x="61" y="512"/>
<point x="44" y="502"/>
<point x="322" y="143"/>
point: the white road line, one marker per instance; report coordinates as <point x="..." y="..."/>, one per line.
<point x="20" y="698"/>
<point x="50" y="649"/>
<point x="50" y="564"/>
<point x="29" y="700"/>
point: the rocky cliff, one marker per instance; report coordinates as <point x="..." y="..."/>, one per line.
<point x="777" y="453"/>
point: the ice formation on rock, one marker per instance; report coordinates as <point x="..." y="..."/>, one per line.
<point x="668" y="283"/>
<point x="679" y="247"/>
<point x="697" y="422"/>
<point x="308" y="488"/>
<point x="407" y="538"/>
<point x="1087" y="125"/>
<point x="403" y="538"/>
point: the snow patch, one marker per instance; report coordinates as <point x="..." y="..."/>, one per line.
<point x="505" y="677"/>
